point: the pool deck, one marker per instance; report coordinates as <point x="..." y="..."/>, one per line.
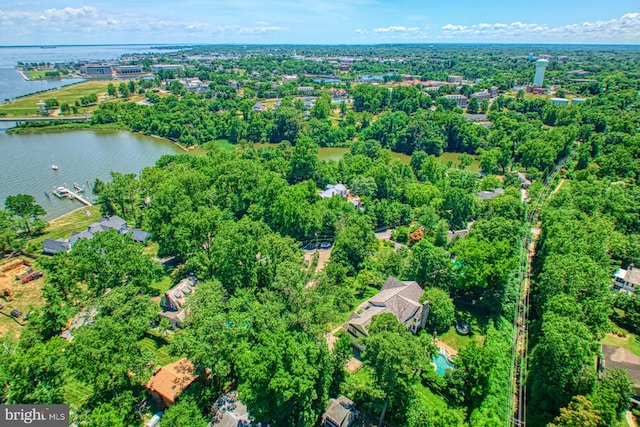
<point x="450" y="350"/>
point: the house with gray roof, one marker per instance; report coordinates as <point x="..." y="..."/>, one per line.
<point x="52" y="247"/>
<point x="488" y="195"/>
<point x="137" y="235"/>
<point x="334" y="190"/>
<point x="340" y="412"/>
<point x="402" y="299"/>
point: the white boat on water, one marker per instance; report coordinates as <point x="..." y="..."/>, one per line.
<point x="54" y="167"/>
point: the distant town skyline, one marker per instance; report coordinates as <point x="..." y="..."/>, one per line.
<point x="319" y="22"/>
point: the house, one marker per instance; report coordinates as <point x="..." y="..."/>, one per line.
<point x="482" y="96"/>
<point x="174" y="300"/>
<point x="488" y="195"/>
<point x="340" y="412"/>
<point x="454" y="79"/>
<point x="169" y="381"/>
<point x="52" y="247"/>
<point x="106" y="224"/>
<point x="137" y="235"/>
<point x="334" y="190"/>
<point x="461" y="100"/>
<point x="457" y="234"/>
<point x="402" y="299"/>
<point x="626" y="280"/>
<point x="230" y="412"/>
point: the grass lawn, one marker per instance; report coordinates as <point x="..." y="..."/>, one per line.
<point x="159" y="347"/>
<point x="220" y="143"/>
<point x="428" y="397"/>
<point x="457" y="341"/>
<point x="38" y="74"/>
<point x="163" y="285"/>
<point x="76" y="393"/>
<point x="27" y="106"/>
<point x="63" y="226"/>
<point x="478" y="322"/>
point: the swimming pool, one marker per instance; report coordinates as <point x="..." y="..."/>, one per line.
<point x="442" y="364"/>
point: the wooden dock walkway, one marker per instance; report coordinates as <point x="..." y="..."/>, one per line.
<point x="76" y="196"/>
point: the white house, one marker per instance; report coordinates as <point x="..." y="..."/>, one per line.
<point x="626" y="280"/>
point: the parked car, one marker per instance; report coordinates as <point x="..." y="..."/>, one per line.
<point x="325" y="245"/>
<point x="1" y="306"/>
<point x="16" y="313"/>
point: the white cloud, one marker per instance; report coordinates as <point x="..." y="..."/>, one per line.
<point x="29" y="26"/>
<point x="397" y="28"/>
<point x="623" y="29"/>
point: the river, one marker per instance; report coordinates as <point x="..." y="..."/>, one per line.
<point x="13" y="85"/>
<point x="81" y="156"/>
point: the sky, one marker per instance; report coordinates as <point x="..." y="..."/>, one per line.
<point x="318" y="21"/>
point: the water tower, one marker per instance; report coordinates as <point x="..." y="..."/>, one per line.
<point x="541" y="66"/>
<point x="530" y="57"/>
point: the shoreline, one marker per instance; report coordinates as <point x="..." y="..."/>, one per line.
<point x="24" y="76"/>
<point x="66" y="214"/>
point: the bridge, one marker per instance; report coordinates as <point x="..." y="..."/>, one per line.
<point x="84" y="117"/>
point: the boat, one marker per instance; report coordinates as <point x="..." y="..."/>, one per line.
<point x="60" y="192"/>
<point x="71" y="196"/>
<point x="77" y="188"/>
<point x="54" y="167"/>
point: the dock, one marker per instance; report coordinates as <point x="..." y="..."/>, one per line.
<point x="64" y="191"/>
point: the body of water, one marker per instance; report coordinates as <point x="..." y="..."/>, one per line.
<point x="12" y="84"/>
<point x="81" y="156"/>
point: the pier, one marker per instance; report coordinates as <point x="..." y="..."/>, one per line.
<point x="64" y="191"/>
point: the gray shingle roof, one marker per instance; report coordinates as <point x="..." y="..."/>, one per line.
<point x="51" y="246"/>
<point x="402" y="299"/>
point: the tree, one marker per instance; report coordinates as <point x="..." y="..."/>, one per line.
<point x="352" y="244"/>
<point x="430" y="265"/>
<point x="111" y="90"/>
<point x="25" y="207"/>
<point x="37" y="374"/>
<point x="184" y="413"/>
<point x="441" y="310"/>
<point x="612" y="395"/>
<point x="579" y="413"/>
<point x="397" y="358"/>
<point x="473" y="106"/>
<point x="105" y="355"/>
<point x="322" y="107"/>
<point x="124" y="91"/>
<point x="560" y="363"/>
<point x="284" y="378"/>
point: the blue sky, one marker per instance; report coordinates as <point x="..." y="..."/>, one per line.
<point x="318" y="21"/>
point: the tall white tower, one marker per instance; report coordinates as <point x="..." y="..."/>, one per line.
<point x="541" y="66"/>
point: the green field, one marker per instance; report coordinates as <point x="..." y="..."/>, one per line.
<point x="65" y="225"/>
<point x="27" y="106"/>
<point x="630" y="342"/>
<point x="37" y="74"/>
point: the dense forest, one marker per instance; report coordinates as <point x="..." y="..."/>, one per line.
<point x="240" y="222"/>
